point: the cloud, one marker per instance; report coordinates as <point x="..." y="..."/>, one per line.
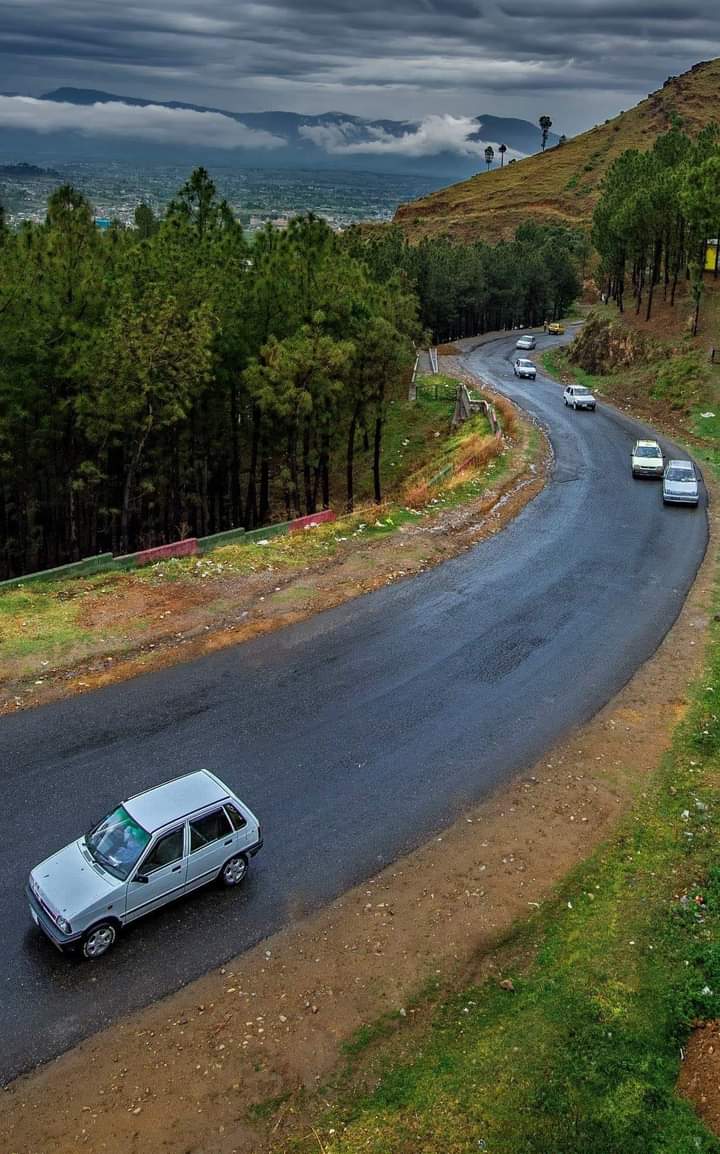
<point x="148" y="122"/>
<point x="434" y="135"/>
<point x="405" y="59"/>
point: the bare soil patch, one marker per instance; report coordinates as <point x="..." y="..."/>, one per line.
<point x="699" y="1079"/>
<point x="222" y="1066"/>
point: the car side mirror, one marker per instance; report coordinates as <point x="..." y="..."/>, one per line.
<point x="142" y="878"/>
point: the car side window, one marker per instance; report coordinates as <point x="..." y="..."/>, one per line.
<point x="207" y="829"/>
<point x="237" y="819"/>
<point x="167" y="850"/>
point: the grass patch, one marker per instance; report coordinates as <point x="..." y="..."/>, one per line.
<point x="583" y="1055"/>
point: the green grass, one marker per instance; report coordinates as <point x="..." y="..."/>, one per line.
<point x="583" y="1056"/>
<point x="437" y="388"/>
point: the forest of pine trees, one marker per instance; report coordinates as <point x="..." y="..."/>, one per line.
<point x="177" y="378"/>
<point x="657" y="211"/>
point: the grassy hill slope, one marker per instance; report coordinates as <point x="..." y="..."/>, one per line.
<point x="561" y="185"/>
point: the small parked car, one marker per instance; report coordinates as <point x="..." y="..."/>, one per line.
<point x="578" y="397"/>
<point x="526" y="342"/>
<point x="524" y="368"/>
<point x="680" y="484"/>
<point x="646" y="459"/>
<point x="152" y="849"/>
<point x="556" y="329"/>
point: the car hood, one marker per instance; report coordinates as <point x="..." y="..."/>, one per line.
<point x="648" y="463"/>
<point x="67" y="883"/>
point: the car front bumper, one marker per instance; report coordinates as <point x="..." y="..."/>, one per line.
<point x="644" y="471"/>
<point x="44" y="922"/>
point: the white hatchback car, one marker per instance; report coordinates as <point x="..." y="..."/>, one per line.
<point x="578" y="397"/>
<point x="524" y="368"/>
<point x="152" y="849"/>
<point x="647" y="459"/>
<point x="526" y="342"/>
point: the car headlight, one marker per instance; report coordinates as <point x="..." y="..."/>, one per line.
<point x="64" y="925"/>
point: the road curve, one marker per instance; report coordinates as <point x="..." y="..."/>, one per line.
<point x="355" y="734"/>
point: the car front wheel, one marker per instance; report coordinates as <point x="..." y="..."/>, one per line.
<point x="99" y="940"/>
<point x="234" y="870"/>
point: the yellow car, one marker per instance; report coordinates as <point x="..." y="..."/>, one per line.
<point x="556" y="328"/>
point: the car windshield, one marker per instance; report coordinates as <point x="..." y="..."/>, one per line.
<point x="117" y="842"/>
<point x="525" y="364"/>
<point x="678" y="474"/>
<point x="583" y="393"/>
<point x="647" y="451"/>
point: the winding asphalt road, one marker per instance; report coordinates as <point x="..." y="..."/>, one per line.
<point x="355" y="734"/>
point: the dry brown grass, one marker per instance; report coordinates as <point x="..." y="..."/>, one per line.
<point x="476" y="453"/>
<point x="417" y="495"/>
<point x="507" y="416"/>
<point x="562" y="184"/>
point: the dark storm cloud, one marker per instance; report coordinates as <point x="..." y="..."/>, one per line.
<point x="405" y="58"/>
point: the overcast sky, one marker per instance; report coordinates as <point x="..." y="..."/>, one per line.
<point x="578" y="60"/>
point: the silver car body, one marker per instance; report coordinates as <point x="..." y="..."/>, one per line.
<point x="180" y="835"/>
<point x="524" y="368"/>
<point x="526" y="342"/>
<point x="680" y="484"/>
<point x="578" y="397"/>
<point x="646" y="459"/>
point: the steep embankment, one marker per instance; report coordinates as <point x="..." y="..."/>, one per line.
<point x="561" y="185"/>
<point x="655" y="369"/>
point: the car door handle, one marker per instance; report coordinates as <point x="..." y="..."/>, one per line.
<point x="228" y="841"/>
<point x="176" y="869"/>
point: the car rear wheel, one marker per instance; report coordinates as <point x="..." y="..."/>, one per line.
<point x="234" y="870"/>
<point x="98" y="940"/>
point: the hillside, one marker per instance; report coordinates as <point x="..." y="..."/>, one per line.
<point x="561" y="185"/>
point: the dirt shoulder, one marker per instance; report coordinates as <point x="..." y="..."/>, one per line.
<point x="122" y="625"/>
<point x="223" y="1065"/>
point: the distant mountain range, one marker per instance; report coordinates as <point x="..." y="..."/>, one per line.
<point x="328" y="140"/>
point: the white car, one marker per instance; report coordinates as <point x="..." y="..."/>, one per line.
<point x="680" y="484"/>
<point x="524" y="368"/>
<point x="578" y="397"/>
<point x="150" y="850"/>
<point x="647" y="459"/>
<point x="526" y="342"/>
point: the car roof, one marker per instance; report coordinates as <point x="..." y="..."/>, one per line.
<point x="653" y="444"/>
<point x="681" y="465"/>
<point x="174" y="799"/>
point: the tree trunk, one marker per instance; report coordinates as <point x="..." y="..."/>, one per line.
<point x="264" y="510"/>
<point x="349" y="462"/>
<point x="251" y="496"/>
<point x="235" y="500"/>
<point x="377" y="446"/>
<point x="307" y="472"/>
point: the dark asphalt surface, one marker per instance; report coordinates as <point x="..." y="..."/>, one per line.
<point x="355" y="734"/>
